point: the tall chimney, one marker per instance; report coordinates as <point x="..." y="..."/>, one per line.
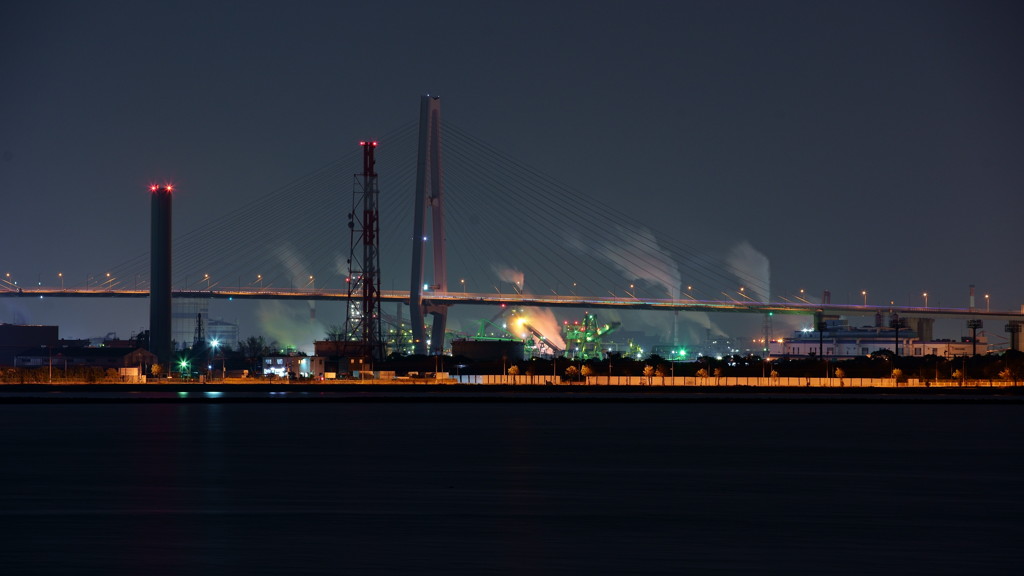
<point x="160" y="275"/>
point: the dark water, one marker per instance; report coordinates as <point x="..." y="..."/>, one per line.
<point x="511" y="488"/>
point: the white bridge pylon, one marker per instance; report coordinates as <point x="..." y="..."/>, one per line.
<point x="429" y="197"/>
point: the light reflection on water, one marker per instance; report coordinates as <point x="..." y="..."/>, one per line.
<point x="510" y="488"/>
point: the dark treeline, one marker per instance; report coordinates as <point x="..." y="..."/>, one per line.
<point x="882" y="364"/>
<point x="247" y="359"/>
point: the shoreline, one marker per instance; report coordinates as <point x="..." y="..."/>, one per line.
<point x="291" y="393"/>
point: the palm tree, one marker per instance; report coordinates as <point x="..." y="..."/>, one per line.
<point x="586" y="371"/>
<point x="897" y="376"/>
<point x="649" y="371"/>
<point x="572" y="373"/>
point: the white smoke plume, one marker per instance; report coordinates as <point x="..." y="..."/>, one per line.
<point x="543" y="320"/>
<point x="637" y="255"/>
<point x="289" y="324"/>
<point x="752" y="269"/>
<point x="295" y="267"/>
<point x="511" y="275"/>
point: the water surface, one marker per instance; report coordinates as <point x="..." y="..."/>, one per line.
<point x="511" y="488"/>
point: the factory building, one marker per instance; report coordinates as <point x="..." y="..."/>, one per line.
<point x="15" y="338"/>
<point x="839" y="340"/>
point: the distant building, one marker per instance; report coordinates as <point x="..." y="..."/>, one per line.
<point x="840" y="341"/>
<point x="226" y="333"/>
<point x="15" y="338"/>
<point x="294" y="366"/>
<point x="64" y="358"/>
<point x="186" y="315"/>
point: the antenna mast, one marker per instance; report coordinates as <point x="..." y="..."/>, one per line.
<point x="363" y="323"/>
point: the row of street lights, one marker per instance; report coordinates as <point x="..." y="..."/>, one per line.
<point x="924" y="295"/>
<point x="109" y="282"/>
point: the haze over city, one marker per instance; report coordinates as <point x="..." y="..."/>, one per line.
<point x="849" y="147"/>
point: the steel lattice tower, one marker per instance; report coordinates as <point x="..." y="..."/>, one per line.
<point x="363" y="322"/>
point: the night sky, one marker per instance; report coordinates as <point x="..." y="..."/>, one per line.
<point x="857" y="145"/>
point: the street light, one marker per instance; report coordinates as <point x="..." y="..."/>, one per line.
<point x="925" y="299"/>
<point x="214" y="344"/>
<point x="259" y="278"/>
<point x="207" y="278"/>
<point x="312" y="282"/>
<point x="183" y="367"/>
<point x="463" y="282"/>
<point x="61" y="276"/>
<point x="986" y="303"/>
<point x="864" y="293"/>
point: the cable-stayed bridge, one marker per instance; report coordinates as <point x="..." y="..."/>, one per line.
<point x="785" y="306"/>
<point x="512" y="235"/>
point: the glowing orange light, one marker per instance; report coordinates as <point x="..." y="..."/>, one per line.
<point x="169" y="188"/>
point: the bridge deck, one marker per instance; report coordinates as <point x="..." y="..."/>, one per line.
<point x="517" y="299"/>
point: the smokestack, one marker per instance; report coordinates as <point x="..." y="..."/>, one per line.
<point x="160" y="275"/>
<point x="970" y="305"/>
